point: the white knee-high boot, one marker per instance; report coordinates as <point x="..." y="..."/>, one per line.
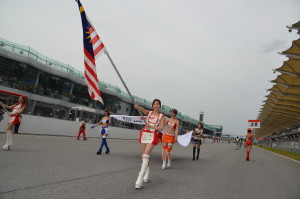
<point x="147" y="173"/>
<point x="145" y="163"/>
<point x="9" y="139"/>
<point x="169" y="160"/>
<point x="5" y="147"/>
<point x="164" y="158"/>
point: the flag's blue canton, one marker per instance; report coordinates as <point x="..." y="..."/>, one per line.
<point x="86" y="34"/>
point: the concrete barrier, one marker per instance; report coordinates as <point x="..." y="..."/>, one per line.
<point x="31" y="124"/>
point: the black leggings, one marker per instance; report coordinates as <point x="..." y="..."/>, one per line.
<point x="17" y="128"/>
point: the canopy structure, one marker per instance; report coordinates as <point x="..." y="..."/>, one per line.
<point x="295" y="26"/>
<point x="293" y="51"/>
<point x="281" y="109"/>
<point x="290" y="67"/>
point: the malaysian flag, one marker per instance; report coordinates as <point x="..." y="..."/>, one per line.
<point x="93" y="48"/>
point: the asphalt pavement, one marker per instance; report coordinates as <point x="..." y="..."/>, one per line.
<point x="62" y="167"/>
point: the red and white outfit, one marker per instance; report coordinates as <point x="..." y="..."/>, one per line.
<point x="15" y="118"/>
<point x="82" y="130"/>
<point x="148" y="136"/>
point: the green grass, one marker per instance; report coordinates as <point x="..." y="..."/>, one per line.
<point x="295" y="156"/>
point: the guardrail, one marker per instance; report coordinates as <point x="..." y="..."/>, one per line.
<point x="290" y="142"/>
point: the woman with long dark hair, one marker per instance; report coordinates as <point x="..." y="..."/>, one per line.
<point x="148" y="138"/>
<point x="196" y="139"/>
<point x="14" y="118"/>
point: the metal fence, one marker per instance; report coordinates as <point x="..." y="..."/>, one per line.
<point x="288" y="142"/>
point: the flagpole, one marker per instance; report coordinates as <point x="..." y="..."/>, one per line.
<point x="254" y="155"/>
<point x="123" y="82"/>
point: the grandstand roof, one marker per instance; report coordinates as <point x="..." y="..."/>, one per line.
<point x="281" y="109"/>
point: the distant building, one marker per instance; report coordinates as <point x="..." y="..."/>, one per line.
<point x="53" y="88"/>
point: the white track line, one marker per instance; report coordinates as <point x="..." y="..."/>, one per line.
<point x="280" y="155"/>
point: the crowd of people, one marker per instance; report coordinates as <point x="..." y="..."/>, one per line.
<point x="14" y="82"/>
<point x="150" y="135"/>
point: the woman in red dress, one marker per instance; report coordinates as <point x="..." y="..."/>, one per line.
<point x="149" y="138"/>
<point x="14" y="118"/>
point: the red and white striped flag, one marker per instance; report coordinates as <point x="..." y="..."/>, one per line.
<point x="98" y="45"/>
<point x="93" y="48"/>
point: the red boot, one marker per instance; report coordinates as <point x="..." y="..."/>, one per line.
<point x="247" y="157"/>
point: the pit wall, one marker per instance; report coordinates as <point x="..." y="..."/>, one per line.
<point x="31" y="124"/>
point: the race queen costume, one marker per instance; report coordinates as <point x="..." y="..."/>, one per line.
<point x="149" y="138"/>
<point x="14" y="118"/>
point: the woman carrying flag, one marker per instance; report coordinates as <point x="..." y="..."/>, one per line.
<point x="169" y="138"/>
<point x="148" y="138"/>
<point x="249" y="140"/>
<point x="105" y="121"/>
<point x="14" y="118"/>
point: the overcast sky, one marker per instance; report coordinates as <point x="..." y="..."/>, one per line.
<point x="214" y="56"/>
